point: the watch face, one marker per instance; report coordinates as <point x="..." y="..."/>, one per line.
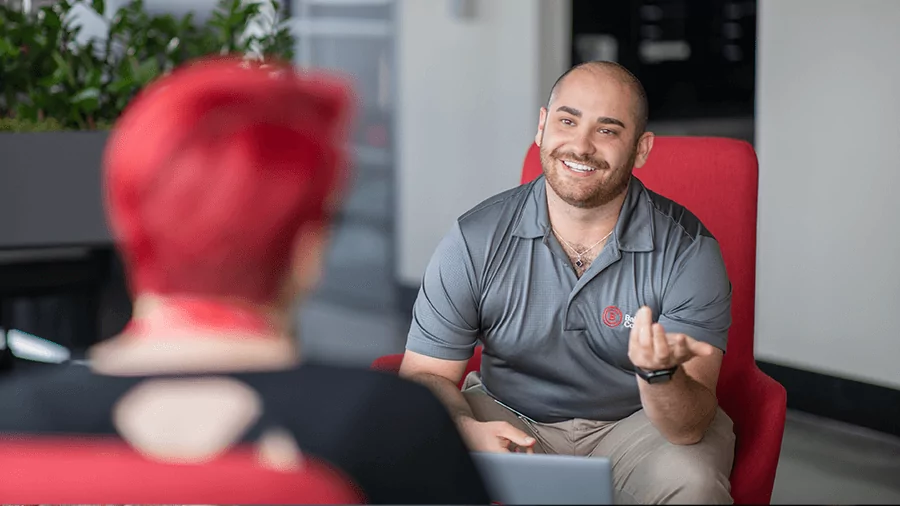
<point x="659" y="378"/>
<point x="653" y="377"/>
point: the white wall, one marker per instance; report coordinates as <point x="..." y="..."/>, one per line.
<point x="468" y="92"/>
<point x="828" y="139"/>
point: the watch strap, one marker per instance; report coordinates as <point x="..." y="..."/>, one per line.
<point x="659" y="376"/>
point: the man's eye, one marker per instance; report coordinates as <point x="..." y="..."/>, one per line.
<point x="606" y="131"/>
<point x="567" y="121"/>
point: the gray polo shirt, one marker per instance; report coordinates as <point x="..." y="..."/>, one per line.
<point x="555" y="345"/>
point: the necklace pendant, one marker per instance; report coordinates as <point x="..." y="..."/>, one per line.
<point x="579" y="263"/>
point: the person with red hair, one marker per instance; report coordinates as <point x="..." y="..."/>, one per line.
<point x="220" y="180"/>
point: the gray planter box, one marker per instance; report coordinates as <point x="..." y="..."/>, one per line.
<point x="50" y="190"/>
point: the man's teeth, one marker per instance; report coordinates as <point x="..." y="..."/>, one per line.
<point x="579" y="167"/>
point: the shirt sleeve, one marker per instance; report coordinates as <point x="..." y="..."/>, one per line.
<point x="697" y="301"/>
<point x="445" y="321"/>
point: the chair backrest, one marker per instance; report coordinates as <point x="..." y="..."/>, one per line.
<point x="717" y="180"/>
<point x="56" y="470"/>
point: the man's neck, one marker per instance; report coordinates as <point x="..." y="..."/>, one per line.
<point x="211" y="313"/>
<point x="583" y="225"/>
<point x="166" y="337"/>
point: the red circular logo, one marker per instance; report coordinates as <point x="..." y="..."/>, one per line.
<point x="612" y="316"/>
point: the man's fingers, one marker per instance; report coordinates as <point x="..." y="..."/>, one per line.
<point x="642" y="323"/>
<point x="699" y="348"/>
<point x="678" y="346"/>
<point x="684" y="347"/>
<point x="507" y="431"/>
<point x="521" y="449"/>
<point x="633" y="336"/>
<point x="660" y="346"/>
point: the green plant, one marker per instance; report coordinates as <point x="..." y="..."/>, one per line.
<point x="24" y="125"/>
<point x="51" y="78"/>
<point x="11" y="124"/>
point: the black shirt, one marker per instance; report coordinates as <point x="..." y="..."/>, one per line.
<point x="392" y="437"/>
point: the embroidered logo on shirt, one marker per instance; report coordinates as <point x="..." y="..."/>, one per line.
<point x="613" y="317"/>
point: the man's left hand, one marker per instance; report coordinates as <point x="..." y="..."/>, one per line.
<point x="650" y="348"/>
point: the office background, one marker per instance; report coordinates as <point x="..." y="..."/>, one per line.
<point x="450" y="93"/>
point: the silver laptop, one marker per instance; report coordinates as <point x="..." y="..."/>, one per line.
<point x="518" y="478"/>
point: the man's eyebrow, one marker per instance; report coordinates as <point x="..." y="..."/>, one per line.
<point x="569" y="110"/>
<point x="603" y="120"/>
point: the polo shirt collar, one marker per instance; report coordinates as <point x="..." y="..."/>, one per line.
<point x="634" y="229"/>
<point x="534" y="219"/>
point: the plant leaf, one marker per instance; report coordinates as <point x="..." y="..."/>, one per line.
<point x="6" y="48"/>
<point x="86" y="95"/>
<point x="120" y="85"/>
<point x="147" y="71"/>
<point x="99" y="6"/>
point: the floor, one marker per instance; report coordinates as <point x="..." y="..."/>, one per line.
<point x="822" y="462"/>
<point x="825" y="462"/>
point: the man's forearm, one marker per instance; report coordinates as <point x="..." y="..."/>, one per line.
<point x="446" y="392"/>
<point x="681" y="409"/>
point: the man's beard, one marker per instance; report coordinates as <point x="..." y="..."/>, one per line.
<point x="590" y="192"/>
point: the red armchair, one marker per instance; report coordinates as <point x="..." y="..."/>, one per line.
<point x="717" y="180"/>
<point x="59" y="470"/>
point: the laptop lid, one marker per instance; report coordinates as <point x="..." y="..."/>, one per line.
<point x="519" y="478"/>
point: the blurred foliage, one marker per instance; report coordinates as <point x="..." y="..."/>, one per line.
<point x="10" y="124"/>
<point x="50" y="79"/>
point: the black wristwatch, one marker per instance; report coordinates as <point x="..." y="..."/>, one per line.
<point x="655" y="377"/>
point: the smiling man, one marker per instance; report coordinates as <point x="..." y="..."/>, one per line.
<point x="603" y="308"/>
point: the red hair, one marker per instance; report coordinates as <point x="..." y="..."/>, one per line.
<point x="212" y="171"/>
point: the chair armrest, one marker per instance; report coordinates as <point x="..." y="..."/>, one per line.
<point x="758" y="407"/>
<point x="391" y="364"/>
<point x="388" y="363"/>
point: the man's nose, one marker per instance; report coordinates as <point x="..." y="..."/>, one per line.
<point x="583" y="146"/>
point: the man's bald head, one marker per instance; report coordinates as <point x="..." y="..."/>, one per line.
<point x="618" y="72"/>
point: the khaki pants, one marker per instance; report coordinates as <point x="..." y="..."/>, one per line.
<point x="647" y="469"/>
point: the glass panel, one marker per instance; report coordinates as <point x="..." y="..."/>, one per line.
<point x="368" y="199"/>
<point x="360" y="10"/>
<point x="369" y="63"/>
<point x="350" y="241"/>
<point x="358" y="268"/>
<point x="368" y="60"/>
<point x="339" y="35"/>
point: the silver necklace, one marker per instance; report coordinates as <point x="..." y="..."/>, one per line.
<point x="579" y="261"/>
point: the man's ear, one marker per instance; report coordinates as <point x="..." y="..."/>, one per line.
<point x="644" y="145"/>
<point x="539" y="136"/>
